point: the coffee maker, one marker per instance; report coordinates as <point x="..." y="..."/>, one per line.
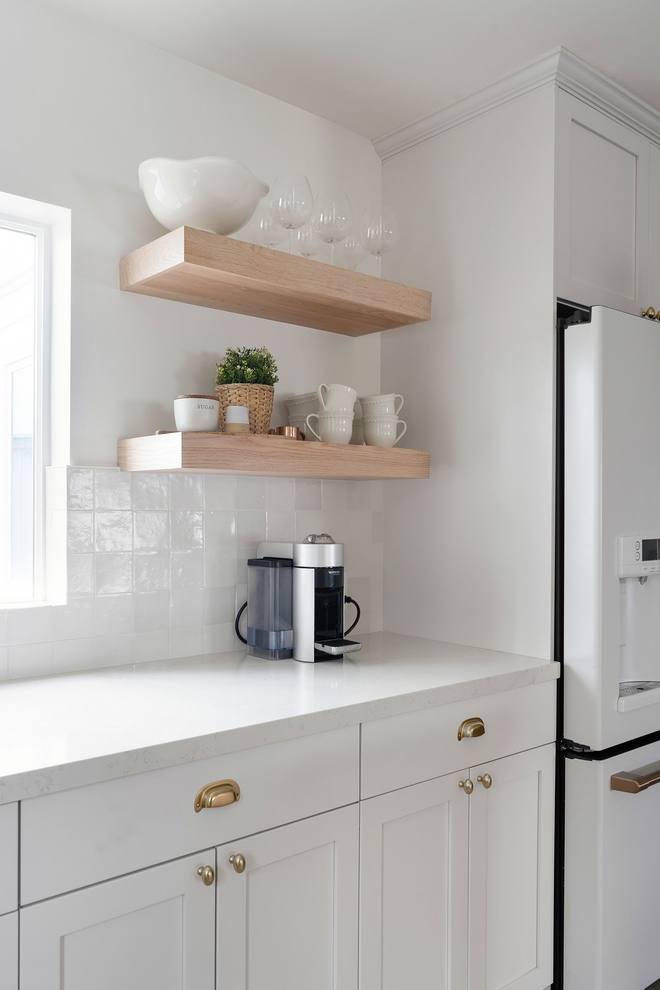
<point x="296" y="599"/>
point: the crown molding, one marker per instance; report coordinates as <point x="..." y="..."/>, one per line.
<point x="559" y="68"/>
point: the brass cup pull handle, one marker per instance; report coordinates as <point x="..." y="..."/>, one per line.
<point x="217" y="795"/>
<point x="238" y="862"/>
<point x="470" y="728"/>
<point x="207" y="874"/>
<point x="485" y="779"/>
<point x="467" y="785"/>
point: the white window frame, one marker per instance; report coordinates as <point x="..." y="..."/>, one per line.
<point x="51" y="225"/>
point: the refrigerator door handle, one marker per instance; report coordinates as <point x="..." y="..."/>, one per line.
<point x="634" y="781"/>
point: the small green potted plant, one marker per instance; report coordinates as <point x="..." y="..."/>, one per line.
<point x="246" y="377"/>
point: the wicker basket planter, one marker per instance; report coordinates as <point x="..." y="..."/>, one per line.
<point x="258" y="399"/>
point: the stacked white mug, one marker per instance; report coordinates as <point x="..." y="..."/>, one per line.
<point x="334" y="420"/>
<point x="380" y="419"/>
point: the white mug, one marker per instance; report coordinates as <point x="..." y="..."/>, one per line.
<point x="196" y="413"/>
<point x="381" y="405"/>
<point x="339" y="398"/>
<point x="334" y="427"/>
<point x="381" y="431"/>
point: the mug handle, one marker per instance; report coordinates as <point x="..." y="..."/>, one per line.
<point x="405" y="427"/>
<point x="319" y="396"/>
<point x="397" y="411"/>
<point x="309" y="425"/>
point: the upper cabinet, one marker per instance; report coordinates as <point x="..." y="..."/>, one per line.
<point x="603" y="253"/>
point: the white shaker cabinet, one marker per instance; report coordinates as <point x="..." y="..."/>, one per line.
<point x="9" y="951"/>
<point x="602" y="209"/>
<point x="287" y="907"/>
<point x="152" y="930"/>
<point x="414" y="888"/>
<point x="511" y="872"/>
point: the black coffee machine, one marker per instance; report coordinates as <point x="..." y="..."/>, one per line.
<point x="296" y="601"/>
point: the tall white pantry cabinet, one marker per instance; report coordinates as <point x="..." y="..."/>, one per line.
<point x="435" y="851"/>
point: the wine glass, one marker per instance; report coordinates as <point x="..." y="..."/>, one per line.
<point x="333" y="220"/>
<point x="291" y="203"/>
<point x="379" y="232"/>
<point x="307" y="242"/>
<point x="268" y="233"/>
<point x="352" y="250"/>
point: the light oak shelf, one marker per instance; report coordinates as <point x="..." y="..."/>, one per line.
<point x="206" y="269"/>
<point x="266" y="456"/>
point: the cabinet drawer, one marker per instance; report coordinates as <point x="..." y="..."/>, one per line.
<point x="92" y="833"/>
<point x="8" y="858"/>
<point x="406" y="749"/>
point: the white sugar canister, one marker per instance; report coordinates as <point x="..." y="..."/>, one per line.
<point x="196" y="413"/>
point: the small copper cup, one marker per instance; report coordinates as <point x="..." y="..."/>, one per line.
<point x="289" y="432"/>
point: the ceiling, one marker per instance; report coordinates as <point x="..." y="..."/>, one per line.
<point x="373" y="65"/>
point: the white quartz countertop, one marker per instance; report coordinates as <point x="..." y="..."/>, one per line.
<point x="74" y="729"/>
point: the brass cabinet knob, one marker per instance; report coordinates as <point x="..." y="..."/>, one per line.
<point x="470" y="728"/>
<point x="238" y="862"/>
<point x="467" y="785"/>
<point x="485" y="779"/>
<point x="650" y="312"/>
<point x="207" y="874"/>
<point x="217" y="795"/>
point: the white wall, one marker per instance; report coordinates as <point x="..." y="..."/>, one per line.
<point x="80" y="108"/>
<point x="468" y="555"/>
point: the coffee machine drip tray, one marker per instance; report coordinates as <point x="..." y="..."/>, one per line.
<point x="637" y="694"/>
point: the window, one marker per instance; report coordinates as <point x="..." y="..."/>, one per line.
<point x="33" y="305"/>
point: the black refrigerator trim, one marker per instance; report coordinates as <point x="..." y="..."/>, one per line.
<point x="568" y="314"/>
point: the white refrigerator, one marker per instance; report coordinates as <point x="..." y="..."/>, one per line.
<point x="611" y="644"/>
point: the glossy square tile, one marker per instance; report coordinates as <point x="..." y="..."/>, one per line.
<point x="114" y="573"/>
<point x="112" y="489"/>
<point x="250" y="493"/>
<point x="30" y="625"/>
<point x="219" y="529"/>
<point x="280" y="494"/>
<point x="187" y="642"/>
<point x="219" y="605"/>
<point x="150" y="491"/>
<point x="73" y="654"/>
<point x="220" y="567"/>
<point x="220" y="638"/>
<point x="250" y="527"/>
<point x="219" y="492"/>
<point x="186" y="491"/>
<point x="308" y="494"/>
<point x="151" y="611"/>
<point x="151" y="646"/>
<point x="243" y="554"/>
<point x="187" y="569"/>
<point x="80" y="488"/>
<point x="335" y="495"/>
<point x="186" y="607"/>
<point x="75" y="620"/>
<point x="376" y="527"/>
<point x="113" y="531"/>
<point x="308" y="521"/>
<point x="151" y="570"/>
<point x="4" y="661"/>
<point x="80" y="532"/>
<point x="80" y="574"/>
<point x="110" y="651"/>
<point x="186" y="530"/>
<point x="113" y="615"/>
<point x="359" y="494"/>
<point x="281" y="526"/>
<point x="4" y="621"/>
<point x="377" y="496"/>
<point x="151" y="530"/>
<point x="30" y="660"/>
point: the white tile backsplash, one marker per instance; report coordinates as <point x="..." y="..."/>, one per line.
<point x="156" y="564"/>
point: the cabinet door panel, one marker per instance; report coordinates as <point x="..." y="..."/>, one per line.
<point x="9" y="951"/>
<point x="654" y="228"/>
<point x="413" y="888"/>
<point x="602" y="208"/>
<point x="289" y="921"/>
<point x="8" y="858"/>
<point x="152" y="930"/>
<point x="511" y="857"/>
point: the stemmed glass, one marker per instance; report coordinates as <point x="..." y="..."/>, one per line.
<point x="333" y="220"/>
<point x="352" y="250"/>
<point x="291" y="203"/>
<point x="307" y="241"/>
<point x="379" y="232"/>
<point x="268" y="233"/>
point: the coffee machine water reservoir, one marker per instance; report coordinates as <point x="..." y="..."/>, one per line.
<point x="296" y="601"/>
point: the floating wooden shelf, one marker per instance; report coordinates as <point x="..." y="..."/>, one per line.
<point x="265" y="456"/>
<point x="206" y="269"/>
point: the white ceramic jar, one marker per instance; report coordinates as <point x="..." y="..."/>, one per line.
<point x="196" y="413"/>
